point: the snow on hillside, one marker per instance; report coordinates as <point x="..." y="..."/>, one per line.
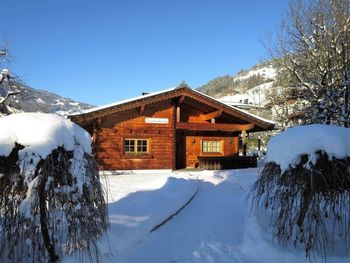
<point x="267" y="72"/>
<point x="39" y="100"/>
<point x="214" y="227"/>
<point x="255" y="96"/>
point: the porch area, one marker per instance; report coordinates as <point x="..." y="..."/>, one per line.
<point x="226" y="162"/>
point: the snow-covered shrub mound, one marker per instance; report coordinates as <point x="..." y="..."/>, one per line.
<point x="304" y="188"/>
<point x="51" y="199"/>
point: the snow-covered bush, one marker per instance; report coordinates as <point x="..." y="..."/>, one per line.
<point x="304" y="188"/>
<point x="51" y="199"/>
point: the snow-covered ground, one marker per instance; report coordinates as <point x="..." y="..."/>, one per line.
<point x="215" y="226"/>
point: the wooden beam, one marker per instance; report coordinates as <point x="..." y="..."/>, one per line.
<point x="182" y="98"/>
<point x="192" y="109"/>
<point x="205" y="117"/>
<point x="142" y="108"/>
<point x="98" y="123"/>
<point x="214" y="127"/>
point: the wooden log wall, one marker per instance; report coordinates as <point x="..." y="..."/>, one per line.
<point x="131" y="125"/>
<point x="230" y="147"/>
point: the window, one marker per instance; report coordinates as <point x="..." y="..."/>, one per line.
<point x="137" y="146"/>
<point x="211" y="147"/>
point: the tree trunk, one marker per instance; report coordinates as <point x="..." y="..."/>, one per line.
<point x="43" y="219"/>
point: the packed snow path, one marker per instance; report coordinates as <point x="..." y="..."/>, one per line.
<point x="214" y="228"/>
<point x="209" y="229"/>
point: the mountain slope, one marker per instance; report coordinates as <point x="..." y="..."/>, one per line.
<point x="35" y="100"/>
<point x="246" y="87"/>
<point x="251" y="90"/>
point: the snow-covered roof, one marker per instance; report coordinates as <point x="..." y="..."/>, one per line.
<point x="169" y="90"/>
<point x="106" y="106"/>
<point x="237" y="109"/>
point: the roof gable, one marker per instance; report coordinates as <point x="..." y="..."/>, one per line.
<point x="179" y="93"/>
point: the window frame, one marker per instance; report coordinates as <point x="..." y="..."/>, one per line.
<point x="136" y="146"/>
<point x="208" y="149"/>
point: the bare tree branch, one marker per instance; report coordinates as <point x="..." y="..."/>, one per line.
<point x="313" y="45"/>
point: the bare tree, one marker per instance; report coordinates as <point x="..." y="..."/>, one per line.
<point x="313" y="48"/>
<point x="307" y="204"/>
<point x="6" y="78"/>
<point x="286" y="107"/>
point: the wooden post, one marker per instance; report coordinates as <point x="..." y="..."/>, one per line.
<point x="244" y="142"/>
<point x="244" y="149"/>
<point x="174" y="120"/>
<point x="178" y="112"/>
<point x="95" y="127"/>
<point x="94" y="135"/>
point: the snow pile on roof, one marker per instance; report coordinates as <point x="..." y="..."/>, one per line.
<point x="285" y="148"/>
<point x="121" y="102"/>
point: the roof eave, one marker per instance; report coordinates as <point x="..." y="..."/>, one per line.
<point x="166" y="94"/>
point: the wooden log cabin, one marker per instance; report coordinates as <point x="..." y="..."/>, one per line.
<point x="172" y="129"/>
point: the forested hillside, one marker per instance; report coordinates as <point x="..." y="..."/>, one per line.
<point x="239" y="83"/>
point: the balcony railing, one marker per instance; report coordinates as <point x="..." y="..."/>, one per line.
<point x="230" y="162"/>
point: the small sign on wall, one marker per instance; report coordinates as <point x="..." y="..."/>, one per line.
<point x="157" y="120"/>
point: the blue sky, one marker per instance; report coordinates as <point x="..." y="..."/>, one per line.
<point x="101" y="51"/>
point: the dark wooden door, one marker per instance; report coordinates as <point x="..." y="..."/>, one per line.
<point x="180" y="150"/>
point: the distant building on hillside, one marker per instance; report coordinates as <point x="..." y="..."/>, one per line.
<point x="243" y="105"/>
<point x="171" y="129"/>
